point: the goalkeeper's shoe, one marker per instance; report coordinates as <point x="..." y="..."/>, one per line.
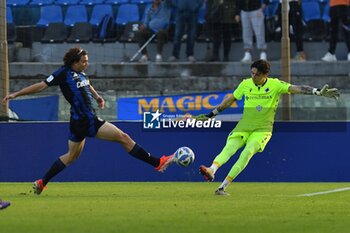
<point x="4" y="204"/>
<point x="38" y="187"/>
<point x="221" y="192"/>
<point x="165" y="162"/>
<point x="207" y="172"/>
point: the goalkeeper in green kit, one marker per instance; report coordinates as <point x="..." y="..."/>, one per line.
<point x="254" y="130"/>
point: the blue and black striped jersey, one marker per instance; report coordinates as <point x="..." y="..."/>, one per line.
<point x="75" y="87"/>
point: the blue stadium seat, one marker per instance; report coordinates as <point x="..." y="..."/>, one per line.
<point x="9" y="17"/>
<point x="311" y="11"/>
<point x="11" y="26"/>
<point x="67" y="2"/>
<point x="325" y="15"/>
<point x="50" y="14"/>
<point x="17" y="2"/>
<point x="127" y="13"/>
<point x="75" y="14"/>
<point x="41" y="2"/>
<point x="141" y="1"/>
<point x="81" y="33"/>
<point x="116" y="2"/>
<point x="201" y="14"/>
<point x="91" y="2"/>
<point x="314" y="29"/>
<point x="98" y="12"/>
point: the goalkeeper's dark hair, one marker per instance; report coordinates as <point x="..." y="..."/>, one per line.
<point x="262" y="66"/>
<point x="73" y="55"/>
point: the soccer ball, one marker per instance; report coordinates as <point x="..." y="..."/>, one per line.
<point x="184" y="156"/>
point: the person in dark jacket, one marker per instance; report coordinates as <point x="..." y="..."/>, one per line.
<point x="221" y="27"/>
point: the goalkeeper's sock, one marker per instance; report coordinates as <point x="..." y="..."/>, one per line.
<point x="56" y="168"/>
<point x="225" y="183"/>
<point x="138" y="152"/>
<point x="214" y="167"/>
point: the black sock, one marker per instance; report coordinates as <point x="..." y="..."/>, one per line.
<point x="56" y="168"/>
<point x="139" y="153"/>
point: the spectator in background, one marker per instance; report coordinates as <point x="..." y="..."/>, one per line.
<point x="186" y="14"/>
<point x="220" y="16"/>
<point x="339" y="10"/>
<point x="156" y="21"/>
<point x="4" y="204"/>
<point x="251" y="14"/>
<point x="296" y="20"/>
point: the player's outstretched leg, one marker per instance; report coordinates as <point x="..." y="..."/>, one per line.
<point x="4" y="204"/>
<point x="165" y="162"/>
<point x="207" y="172"/>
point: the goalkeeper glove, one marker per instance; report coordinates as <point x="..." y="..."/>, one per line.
<point x="327" y="92"/>
<point x="204" y="117"/>
<point x="201" y="117"/>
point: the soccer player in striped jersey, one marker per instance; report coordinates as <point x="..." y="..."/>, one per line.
<point x="254" y="130"/>
<point x="78" y="91"/>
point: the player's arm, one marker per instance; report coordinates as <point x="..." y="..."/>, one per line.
<point x="37" y="87"/>
<point x="227" y="102"/>
<point x="307" y="90"/>
<point x="97" y="97"/>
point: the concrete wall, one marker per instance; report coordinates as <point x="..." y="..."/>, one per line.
<point x="122" y="52"/>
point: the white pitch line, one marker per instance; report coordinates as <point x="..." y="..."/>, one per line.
<point x="324" y="192"/>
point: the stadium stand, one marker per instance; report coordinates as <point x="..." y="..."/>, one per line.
<point x="50" y="14"/>
<point x="116" y="2"/>
<point x="98" y="12"/>
<point x="75" y="14"/>
<point x="126" y="13"/>
<point x="314" y="25"/>
<point x="105" y="30"/>
<point x="141" y="1"/>
<point x="129" y="32"/>
<point x="17" y="2"/>
<point x="41" y="2"/>
<point x="9" y="16"/>
<point x="91" y="2"/>
<point x="55" y="33"/>
<point x="67" y="2"/>
<point x="80" y="33"/>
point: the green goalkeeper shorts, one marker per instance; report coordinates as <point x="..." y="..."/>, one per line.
<point x="260" y="136"/>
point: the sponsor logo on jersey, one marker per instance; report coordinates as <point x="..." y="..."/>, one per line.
<point x="83" y="83"/>
<point x="75" y="76"/>
<point x="259" y="97"/>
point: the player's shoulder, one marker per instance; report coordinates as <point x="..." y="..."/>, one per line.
<point x="247" y="82"/>
<point x="277" y="81"/>
<point x="61" y="70"/>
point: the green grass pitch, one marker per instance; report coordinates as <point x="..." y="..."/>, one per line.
<point x="175" y="207"/>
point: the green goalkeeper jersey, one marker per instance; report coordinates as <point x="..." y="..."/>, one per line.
<point x="260" y="103"/>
